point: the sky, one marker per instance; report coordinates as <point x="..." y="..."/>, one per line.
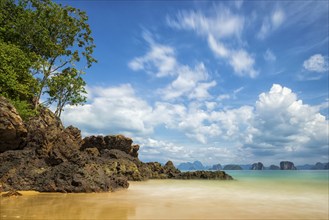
<point x="219" y="82"/>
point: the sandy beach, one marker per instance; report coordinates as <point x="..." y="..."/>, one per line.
<point x="179" y="199"/>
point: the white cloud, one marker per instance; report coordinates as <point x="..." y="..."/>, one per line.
<point x="216" y="29"/>
<point x="317" y="63"/>
<point x="277" y="18"/>
<point x="271" y="23"/>
<point x="217" y="47"/>
<point x="111" y="109"/>
<point x="160" y="60"/>
<point x="243" y="63"/>
<point x="285" y="127"/>
<point x="222" y="25"/>
<point x="278" y="126"/>
<point x="269" y="56"/>
<point x="190" y="83"/>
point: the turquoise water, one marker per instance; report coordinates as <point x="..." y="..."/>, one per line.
<point x="313" y="176"/>
<point x="252" y="195"/>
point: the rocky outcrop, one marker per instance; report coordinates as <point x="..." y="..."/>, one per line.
<point x="47" y="157"/>
<point x="232" y="167"/>
<point x="12" y="129"/>
<point x="109" y="142"/>
<point x="204" y="175"/>
<point x="274" y="167"/>
<point x="287" y="165"/>
<point x="257" y="166"/>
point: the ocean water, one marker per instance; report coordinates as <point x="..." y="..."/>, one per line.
<point x="252" y="195"/>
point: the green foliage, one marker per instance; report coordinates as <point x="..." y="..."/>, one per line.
<point x="16" y="82"/>
<point x="41" y="43"/>
<point x="66" y="88"/>
<point x="24" y="109"/>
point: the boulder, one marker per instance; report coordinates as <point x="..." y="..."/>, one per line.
<point x="12" y="128"/>
<point x="287" y="165"/>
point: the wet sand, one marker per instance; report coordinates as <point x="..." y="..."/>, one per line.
<point x="178" y="199"/>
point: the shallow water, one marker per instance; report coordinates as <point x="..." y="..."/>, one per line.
<point x="254" y="195"/>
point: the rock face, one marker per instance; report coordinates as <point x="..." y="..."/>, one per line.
<point x="232" y="167"/>
<point x="287" y="165"/>
<point x="44" y="156"/>
<point x="274" y="167"/>
<point x="257" y="166"/>
<point x="12" y="129"/>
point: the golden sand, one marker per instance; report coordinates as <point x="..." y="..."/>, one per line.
<point x="177" y="199"/>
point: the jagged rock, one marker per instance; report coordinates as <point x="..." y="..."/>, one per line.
<point x="287" y="165"/>
<point x="43" y="131"/>
<point x="257" y="166"/>
<point x="216" y="167"/>
<point x="109" y="142"/>
<point x="274" y="167"/>
<point x="12" y="129"/>
<point x="204" y="175"/>
<point x="232" y="167"/>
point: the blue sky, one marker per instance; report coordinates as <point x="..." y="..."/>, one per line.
<point x="220" y="82"/>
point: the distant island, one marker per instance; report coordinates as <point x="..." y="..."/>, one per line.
<point x="283" y="165"/>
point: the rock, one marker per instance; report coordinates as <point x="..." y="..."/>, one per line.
<point x="221" y="175"/>
<point x="287" y="165"/>
<point x="12" y="129"/>
<point x="232" y="167"/>
<point x="11" y="194"/>
<point x="217" y="167"/>
<point x="257" y="166"/>
<point x="274" y="167"/>
<point x="109" y="142"/>
<point x="43" y="131"/>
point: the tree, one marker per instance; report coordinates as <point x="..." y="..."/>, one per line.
<point x="16" y="82"/>
<point x="57" y="37"/>
<point x="66" y="88"/>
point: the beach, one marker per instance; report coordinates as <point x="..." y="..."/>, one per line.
<point x="253" y="195"/>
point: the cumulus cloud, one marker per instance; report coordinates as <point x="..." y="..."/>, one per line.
<point x="283" y="126"/>
<point x="271" y="23"/>
<point x="317" y="63"/>
<point x="278" y="126"/>
<point x="111" y="109"/>
<point x="216" y="29"/>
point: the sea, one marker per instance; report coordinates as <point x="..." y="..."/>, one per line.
<point x="267" y="194"/>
